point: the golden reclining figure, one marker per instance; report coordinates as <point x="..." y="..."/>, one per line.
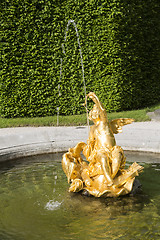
<point x="103" y="173"/>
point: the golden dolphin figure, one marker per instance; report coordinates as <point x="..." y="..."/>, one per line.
<point x="103" y="173"/>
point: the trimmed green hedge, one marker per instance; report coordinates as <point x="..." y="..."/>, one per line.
<point x="120" y="46"/>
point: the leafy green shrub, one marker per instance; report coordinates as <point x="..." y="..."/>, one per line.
<point x="120" y="46"/>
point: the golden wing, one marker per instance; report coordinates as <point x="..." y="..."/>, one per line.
<point x="117" y="124"/>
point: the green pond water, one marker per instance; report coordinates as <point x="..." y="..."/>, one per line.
<point x="35" y="204"/>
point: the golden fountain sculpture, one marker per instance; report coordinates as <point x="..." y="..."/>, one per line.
<point x="103" y="173"/>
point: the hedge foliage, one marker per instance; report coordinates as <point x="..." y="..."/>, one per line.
<point x="120" y="44"/>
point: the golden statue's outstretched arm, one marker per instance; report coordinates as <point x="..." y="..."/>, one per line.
<point x="99" y="105"/>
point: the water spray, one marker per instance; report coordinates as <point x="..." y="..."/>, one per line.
<point x="80" y="52"/>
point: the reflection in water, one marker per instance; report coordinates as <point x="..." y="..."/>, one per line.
<point x="113" y="206"/>
<point x="35" y="204"/>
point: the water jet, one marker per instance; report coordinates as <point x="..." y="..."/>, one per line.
<point x="82" y="66"/>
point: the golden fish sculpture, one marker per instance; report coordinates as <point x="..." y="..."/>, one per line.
<point x="103" y="171"/>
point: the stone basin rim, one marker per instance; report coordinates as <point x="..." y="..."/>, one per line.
<point x="28" y="141"/>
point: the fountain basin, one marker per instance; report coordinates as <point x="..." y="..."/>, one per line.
<point x="34" y="198"/>
<point x="35" y="204"/>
